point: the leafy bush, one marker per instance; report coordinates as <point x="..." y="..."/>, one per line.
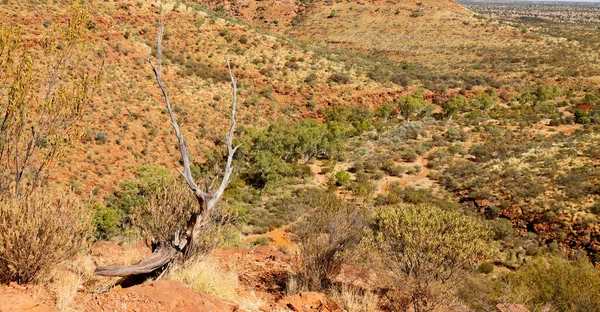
<point x="41" y="109"/>
<point x="261" y="241"/>
<point x="107" y="222"/>
<point x="325" y="238"/>
<point x="413" y="105"/>
<point x="552" y="283"/>
<point x="102" y="137"/>
<point x="408" y="131"/>
<point x="131" y="194"/>
<point x="486" y="268"/>
<point x="341" y="178"/>
<point x="595" y="209"/>
<point x="40" y="231"/>
<point x="429" y="250"/>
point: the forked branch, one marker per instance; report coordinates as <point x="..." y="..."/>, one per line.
<point x="207" y="199"/>
<point x="187" y="173"/>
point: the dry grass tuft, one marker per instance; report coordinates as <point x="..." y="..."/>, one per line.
<point x="251" y="303"/>
<point x="352" y="299"/>
<point x="65" y="288"/>
<point x="205" y="275"/>
<point x="38" y="232"/>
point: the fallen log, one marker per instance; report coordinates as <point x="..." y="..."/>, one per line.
<point x="162" y="255"/>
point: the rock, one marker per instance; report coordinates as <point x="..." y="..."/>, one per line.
<point x="21" y="303"/>
<point x="308" y="302"/>
<point x="511" y="307"/>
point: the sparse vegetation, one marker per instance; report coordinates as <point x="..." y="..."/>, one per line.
<point x="39" y="232"/>
<point x="206" y="276"/>
<point x="326" y="239"/>
<point x="468" y="143"/>
<point x="427" y="249"/>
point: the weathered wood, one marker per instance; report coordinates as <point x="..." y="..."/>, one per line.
<point x="161" y="256"/>
<point x="184" y="242"/>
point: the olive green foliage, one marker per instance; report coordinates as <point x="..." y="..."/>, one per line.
<point x="43" y="95"/>
<point x="38" y="232"/>
<point x="341" y="178"/>
<point x="483" y="101"/>
<point x="398" y="194"/>
<point x="116" y="216"/>
<point x="326" y="238"/>
<point x="348" y="121"/>
<point x="545" y="284"/>
<point x="278" y="211"/>
<point x="275" y="153"/>
<point x="339" y="78"/>
<point x="455" y="105"/>
<point x="106" y="221"/>
<point x="414" y="106"/>
<point x="486" y="268"/>
<point x="581" y="116"/>
<point x="384" y="111"/>
<point x="568" y="286"/>
<point x="408" y="131"/>
<point x="430" y="250"/>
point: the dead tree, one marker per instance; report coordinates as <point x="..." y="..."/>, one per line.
<point x="183" y="242"/>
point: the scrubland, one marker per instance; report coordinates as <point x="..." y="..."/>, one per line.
<point x="394" y="156"/>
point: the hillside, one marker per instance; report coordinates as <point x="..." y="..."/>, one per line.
<point x="437" y="42"/>
<point x="127" y="125"/>
<point x="393" y="156"/>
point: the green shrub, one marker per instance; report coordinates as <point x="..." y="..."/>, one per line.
<point x="429" y="250"/>
<point x="552" y="282"/>
<point x="341" y="178"/>
<point x="595" y="209"/>
<point x="486" y="268"/>
<point x="261" y="241"/>
<point x="107" y="222"/>
<point x="102" y="137"/>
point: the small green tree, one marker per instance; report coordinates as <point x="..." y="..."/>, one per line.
<point x="410" y="106"/>
<point x="456" y="104"/>
<point x="429" y="250"/>
<point x="342" y="177"/>
<point x="581" y="116"/>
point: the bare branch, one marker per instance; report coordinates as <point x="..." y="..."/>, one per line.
<point x="207" y="199"/>
<point x="187" y="173"/>
<point x="230" y="149"/>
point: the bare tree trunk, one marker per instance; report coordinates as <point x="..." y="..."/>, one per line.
<point x="183" y="243"/>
